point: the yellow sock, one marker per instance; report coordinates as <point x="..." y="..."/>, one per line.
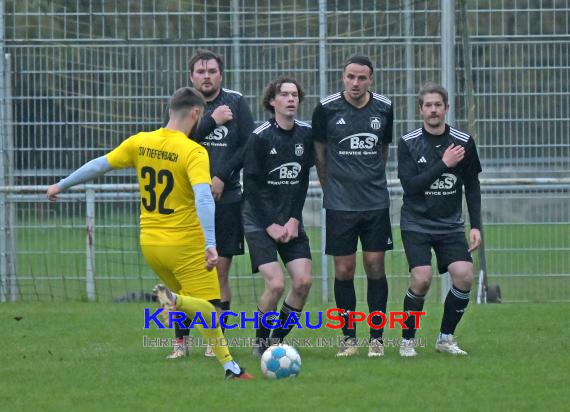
<point x="190" y="306"/>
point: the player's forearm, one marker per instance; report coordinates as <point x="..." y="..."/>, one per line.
<point x="320" y="162"/>
<point x="89" y="171"/>
<point x="233" y="162"/>
<point x="245" y="122"/>
<point x="236" y="152"/>
<point x="321" y="173"/>
<point x="299" y="203"/>
<point x="206" y="126"/>
<point x="260" y="201"/>
<point x="473" y="200"/>
<point x="385" y="152"/>
<point x="417" y="184"/>
<point x="206" y="210"/>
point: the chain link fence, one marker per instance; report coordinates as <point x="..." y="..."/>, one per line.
<point x="78" y="77"/>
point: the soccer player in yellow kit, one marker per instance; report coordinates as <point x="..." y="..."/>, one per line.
<point x="177" y="212"/>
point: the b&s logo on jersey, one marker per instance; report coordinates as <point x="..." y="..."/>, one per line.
<point x="299" y="149"/>
<point x="359" y="144"/>
<point x="443" y="185"/>
<point x="213" y="139"/>
<point x="375" y="123"/>
<point x="285" y="174"/>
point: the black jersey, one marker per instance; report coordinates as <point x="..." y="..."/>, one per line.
<point x="432" y="191"/>
<point x="226" y="143"/>
<point x="276" y="174"/>
<point x="356" y="175"/>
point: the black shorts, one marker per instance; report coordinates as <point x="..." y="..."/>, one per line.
<point x="229" y="229"/>
<point x="448" y="248"/>
<point x="263" y="249"/>
<point x="371" y="226"/>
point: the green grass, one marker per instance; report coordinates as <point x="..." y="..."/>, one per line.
<point x="80" y="356"/>
<point x="524" y="259"/>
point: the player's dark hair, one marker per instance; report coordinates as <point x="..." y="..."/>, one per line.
<point x="274" y="88"/>
<point x="432" y="87"/>
<point x="186" y="98"/>
<point x="361" y="59"/>
<point x="204" y="54"/>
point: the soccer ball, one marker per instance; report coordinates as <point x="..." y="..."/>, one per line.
<point x="281" y="361"/>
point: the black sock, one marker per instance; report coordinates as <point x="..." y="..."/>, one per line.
<point x="281" y="332"/>
<point x="225" y="307"/>
<point x="377" y="300"/>
<point x="345" y="298"/>
<point x="262" y="333"/>
<point x="455" y="304"/>
<point x="182" y="333"/>
<point x="414" y="303"/>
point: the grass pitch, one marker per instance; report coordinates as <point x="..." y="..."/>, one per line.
<point x="530" y="262"/>
<point x="82" y="356"/>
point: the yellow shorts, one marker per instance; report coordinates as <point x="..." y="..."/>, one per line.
<point x="183" y="270"/>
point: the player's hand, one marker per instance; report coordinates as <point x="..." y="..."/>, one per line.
<point x="217" y="187"/>
<point x="211" y="258"/>
<point x="453" y="155"/>
<point x="276" y="232"/>
<point x="222" y="114"/>
<point x="474" y="239"/>
<point x="52" y="192"/>
<point x="292" y="229"/>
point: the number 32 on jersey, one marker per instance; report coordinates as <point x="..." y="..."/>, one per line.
<point x="164" y="178"/>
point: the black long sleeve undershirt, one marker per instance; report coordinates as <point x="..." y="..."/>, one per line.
<point x="473" y="200"/>
<point x="234" y="156"/>
<point x="254" y="174"/>
<point x="413" y="183"/>
<point x="206" y="126"/>
<point x="299" y="203"/>
<point x="416" y="184"/>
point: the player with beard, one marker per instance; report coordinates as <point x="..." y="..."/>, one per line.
<point x="177" y="213"/>
<point x="434" y="163"/>
<point x="352" y="131"/>
<point x="223" y="131"/>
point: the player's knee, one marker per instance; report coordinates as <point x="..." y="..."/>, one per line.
<point x="276" y="287"/>
<point x="375" y="270"/>
<point x="345" y="271"/>
<point x="462" y="274"/>
<point x="374" y="267"/>
<point x="464" y="280"/>
<point x="302" y="285"/>
<point x="421" y="286"/>
<point x="420" y="281"/>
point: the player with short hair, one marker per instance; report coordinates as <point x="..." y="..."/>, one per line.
<point x="177" y="212"/>
<point x="278" y="158"/>
<point x="223" y="131"/>
<point x="352" y="131"/>
<point x="434" y="163"/>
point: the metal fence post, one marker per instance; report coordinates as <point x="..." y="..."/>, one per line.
<point x="411" y="111"/>
<point x="3" y="238"/>
<point x="448" y="81"/>
<point x="90" y="266"/>
<point x="236" y="45"/>
<point x="323" y="92"/>
<point x="11" y="216"/>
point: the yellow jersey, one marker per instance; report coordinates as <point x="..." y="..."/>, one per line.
<point x="168" y="164"/>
